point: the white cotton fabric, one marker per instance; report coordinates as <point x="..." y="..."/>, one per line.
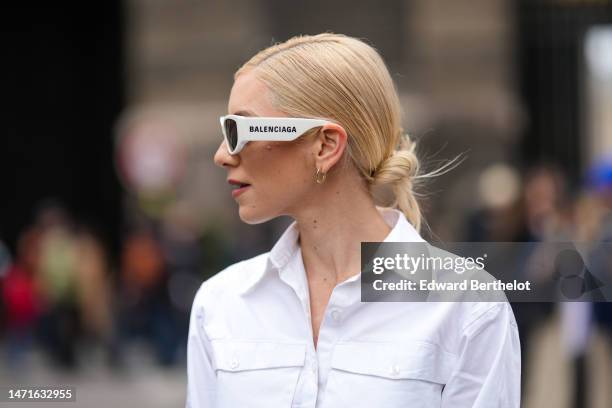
<point x="250" y="342"/>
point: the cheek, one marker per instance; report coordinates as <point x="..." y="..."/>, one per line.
<point x="282" y="172"/>
<point x="279" y="187"/>
<point x="278" y="171"/>
<point x="287" y="160"/>
<point x="287" y="178"/>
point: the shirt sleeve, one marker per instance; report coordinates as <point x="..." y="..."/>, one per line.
<point x="201" y="378"/>
<point x="488" y="373"/>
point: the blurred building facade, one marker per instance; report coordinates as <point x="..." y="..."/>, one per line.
<point x="115" y="115"/>
<point x="497" y="80"/>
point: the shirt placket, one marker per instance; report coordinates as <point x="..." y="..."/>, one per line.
<point x="308" y="383"/>
<point x="343" y="297"/>
<point x="313" y="378"/>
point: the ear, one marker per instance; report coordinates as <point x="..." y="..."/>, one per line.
<point x="331" y="143"/>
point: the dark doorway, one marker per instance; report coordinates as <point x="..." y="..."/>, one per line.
<point x="550" y="54"/>
<point x="63" y="72"/>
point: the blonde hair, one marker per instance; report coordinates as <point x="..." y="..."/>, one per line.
<point x="344" y="79"/>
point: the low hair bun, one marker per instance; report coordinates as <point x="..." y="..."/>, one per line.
<point x="399" y="171"/>
<point x="399" y="166"/>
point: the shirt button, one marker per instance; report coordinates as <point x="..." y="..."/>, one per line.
<point x="395" y="370"/>
<point x="234" y="363"/>
<point x="335" y="314"/>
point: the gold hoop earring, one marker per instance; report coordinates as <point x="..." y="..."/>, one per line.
<point x="320" y="176"/>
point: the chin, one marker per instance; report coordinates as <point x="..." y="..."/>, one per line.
<point x="253" y="216"/>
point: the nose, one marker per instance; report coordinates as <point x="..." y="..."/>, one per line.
<point x="222" y="157"/>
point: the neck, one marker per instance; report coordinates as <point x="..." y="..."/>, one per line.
<point x="331" y="233"/>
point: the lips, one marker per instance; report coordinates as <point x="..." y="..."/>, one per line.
<point x="239" y="187"/>
<point x="237" y="183"/>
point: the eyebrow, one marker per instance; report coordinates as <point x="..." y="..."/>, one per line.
<point x="244" y="113"/>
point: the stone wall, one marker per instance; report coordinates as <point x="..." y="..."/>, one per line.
<point x="453" y="62"/>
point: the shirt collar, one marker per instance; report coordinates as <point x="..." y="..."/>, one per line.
<point x="287" y="248"/>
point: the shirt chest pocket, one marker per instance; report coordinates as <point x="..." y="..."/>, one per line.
<point x="257" y="374"/>
<point x="391" y="375"/>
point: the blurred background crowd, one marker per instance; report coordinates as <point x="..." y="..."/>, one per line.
<point x="113" y="212"/>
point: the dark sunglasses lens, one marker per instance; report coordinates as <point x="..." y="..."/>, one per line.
<point x="231" y="132"/>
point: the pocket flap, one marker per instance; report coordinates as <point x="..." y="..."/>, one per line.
<point x="247" y="355"/>
<point x="405" y="360"/>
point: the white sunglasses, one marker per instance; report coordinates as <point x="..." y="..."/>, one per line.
<point x="239" y="130"/>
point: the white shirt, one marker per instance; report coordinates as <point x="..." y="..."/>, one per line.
<point x="250" y="342"/>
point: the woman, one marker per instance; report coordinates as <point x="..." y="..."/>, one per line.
<point x="287" y="328"/>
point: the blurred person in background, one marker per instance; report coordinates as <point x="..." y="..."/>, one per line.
<point x="597" y="228"/>
<point x="552" y="217"/>
<point x="548" y="217"/>
<point x="94" y="292"/>
<point x="521" y="209"/>
<point x="499" y="216"/>
<point x="57" y="269"/>
<point x="599" y="187"/>
<point x="5" y="263"/>
<point x="180" y="242"/>
<point x="548" y="211"/>
<point x="21" y="299"/>
<point x="145" y="310"/>
<point x="5" y="259"/>
<point x="287" y="327"/>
